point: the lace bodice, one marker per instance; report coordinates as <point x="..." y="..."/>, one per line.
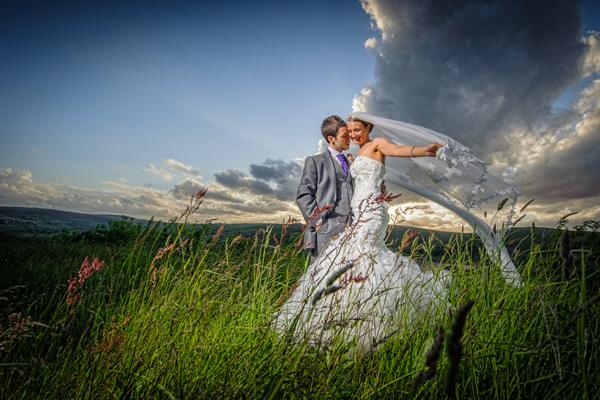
<point x="370" y="214"/>
<point x="368" y="175"/>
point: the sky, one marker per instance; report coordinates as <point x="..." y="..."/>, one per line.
<point x="130" y="107"/>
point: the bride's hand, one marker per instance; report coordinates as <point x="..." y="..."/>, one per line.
<point x="431" y="150"/>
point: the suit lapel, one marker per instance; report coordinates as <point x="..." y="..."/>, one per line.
<point x="330" y="166"/>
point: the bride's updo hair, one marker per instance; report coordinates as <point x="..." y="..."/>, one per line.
<point x="331" y="125"/>
<point x="366" y="124"/>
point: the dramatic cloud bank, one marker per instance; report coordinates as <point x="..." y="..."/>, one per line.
<point x="493" y="74"/>
<point x="17" y="187"/>
<point x="275" y="178"/>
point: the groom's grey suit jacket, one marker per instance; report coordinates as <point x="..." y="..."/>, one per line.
<point x="322" y="184"/>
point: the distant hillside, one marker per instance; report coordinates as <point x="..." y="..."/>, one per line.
<point x="26" y="221"/>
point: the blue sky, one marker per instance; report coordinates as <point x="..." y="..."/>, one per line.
<point x="128" y="107"/>
<point x="91" y="90"/>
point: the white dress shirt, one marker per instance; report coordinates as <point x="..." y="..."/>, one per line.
<point x="334" y="154"/>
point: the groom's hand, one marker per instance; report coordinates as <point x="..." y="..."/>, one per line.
<point x="319" y="224"/>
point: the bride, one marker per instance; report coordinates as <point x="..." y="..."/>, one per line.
<point x="357" y="288"/>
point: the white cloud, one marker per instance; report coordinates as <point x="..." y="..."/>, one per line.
<point x="160" y="172"/>
<point x="187" y="188"/>
<point x="271" y="178"/>
<point x="370" y="43"/>
<point x="591" y="62"/>
<point x="171" y="168"/>
<point x="180" y="167"/>
<point x="427" y="215"/>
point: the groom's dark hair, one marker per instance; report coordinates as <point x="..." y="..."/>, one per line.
<point x="331" y="125"/>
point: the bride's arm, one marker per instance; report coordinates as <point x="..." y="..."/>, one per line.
<point x="400" y="150"/>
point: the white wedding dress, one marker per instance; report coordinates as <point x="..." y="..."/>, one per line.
<point x="358" y="289"/>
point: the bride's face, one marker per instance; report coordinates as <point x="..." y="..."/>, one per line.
<point x="359" y="133"/>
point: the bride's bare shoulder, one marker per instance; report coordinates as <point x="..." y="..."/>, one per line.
<point x="379" y="141"/>
<point x="368" y="149"/>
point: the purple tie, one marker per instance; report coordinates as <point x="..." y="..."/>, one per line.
<point x="344" y="163"/>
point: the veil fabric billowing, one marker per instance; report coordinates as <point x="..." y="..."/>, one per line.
<point x="455" y="179"/>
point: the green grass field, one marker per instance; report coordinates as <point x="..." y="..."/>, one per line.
<point x="192" y="321"/>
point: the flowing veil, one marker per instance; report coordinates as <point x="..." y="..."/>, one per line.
<point x="455" y="179"/>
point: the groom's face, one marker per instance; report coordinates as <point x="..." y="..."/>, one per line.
<point x="341" y="140"/>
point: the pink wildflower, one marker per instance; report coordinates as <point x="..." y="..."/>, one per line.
<point x="218" y="234"/>
<point x="318" y="211"/>
<point x="386" y="196"/>
<point x="349" y="278"/>
<point x="74" y="285"/>
<point x="407" y="239"/>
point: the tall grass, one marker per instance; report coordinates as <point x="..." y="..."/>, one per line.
<point x="194" y="323"/>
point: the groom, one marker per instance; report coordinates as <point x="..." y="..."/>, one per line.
<point x="326" y="188"/>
